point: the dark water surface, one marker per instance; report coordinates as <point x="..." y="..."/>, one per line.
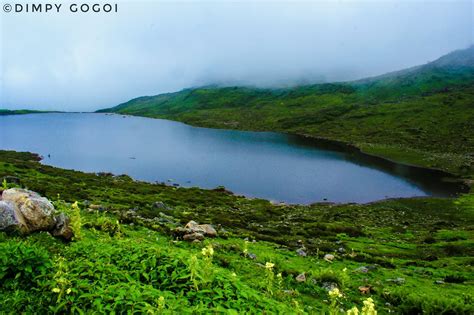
<point x="266" y="165"/>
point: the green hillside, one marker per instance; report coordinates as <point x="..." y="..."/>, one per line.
<point x="4" y="112"/>
<point x="422" y="115"/>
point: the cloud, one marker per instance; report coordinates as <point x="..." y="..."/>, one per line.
<point x="86" y="61"/>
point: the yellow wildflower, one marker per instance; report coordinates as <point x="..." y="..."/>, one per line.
<point x="208" y="251"/>
<point x="335" y="293"/>
<point x="269" y="265"/>
<point x="369" y="307"/>
<point x="353" y="311"/>
<point x="56" y="290"/>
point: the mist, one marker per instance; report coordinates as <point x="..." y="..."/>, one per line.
<point x="87" y="61"/>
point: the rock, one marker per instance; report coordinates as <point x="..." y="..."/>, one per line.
<point x="439" y="282"/>
<point x="206" y="229"/>
<point x="301" y="252"/>
<point x="181" y="231"/>
<point x="193" y="236"/>
<point x="398" y="280"/>
<point x="11" y="220"/>
<point x="362" y="269"/>
<point x="62" y="228"/>
<point x="329" y="286"/>
<point x="301" y="277"/>
<point x="252" y="256"/>
<point x="191" y="225"/>
<point x="38" y="212"/>
<point x="364" y="289"/>
<point x="341" y="250"/>
<point x="328" y="257"/>
<point x="25" y="211"/>
<point x="97" y="207"/>
<point x="160" y="205"/>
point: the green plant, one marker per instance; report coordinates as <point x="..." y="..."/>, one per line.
<point x="108" y="225"/>
<point x="193" y="266"/>
<point x="334" y="296"/>
<point x="367" y="309"/>
<point x="76" y="221"/>
<point x="207" y="269"/>
<point x="269" y="277"/>
<point x="61" y="285"/>
<point x="74" y="213"/>
<point x="22" y="265"/>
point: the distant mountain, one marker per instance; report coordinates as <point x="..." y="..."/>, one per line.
<point x="417" y="115"/>
<point x="4" y="112"/>
<point x="458" y="58"/>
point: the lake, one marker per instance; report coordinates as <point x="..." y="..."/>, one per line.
<point x="273" y="166"/>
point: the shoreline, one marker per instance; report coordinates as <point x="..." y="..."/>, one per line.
<point x="38" y="158"/>
<point x="337" y="145"/>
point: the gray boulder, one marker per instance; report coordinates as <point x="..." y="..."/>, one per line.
<point x="301" y="252"/>
<point x="25" y="211"/>
<point x="193" y="236"/>
<point x="193" y="230"/>
<point x="11" y="219"/>
<point x="38" y="212"/>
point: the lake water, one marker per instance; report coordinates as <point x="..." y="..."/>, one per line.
<point x="266" y="165"/>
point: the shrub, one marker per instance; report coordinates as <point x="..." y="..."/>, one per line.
<point x="408" y="302"/>
<point x="22" y="265"/>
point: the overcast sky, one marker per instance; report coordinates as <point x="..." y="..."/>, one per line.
<point x="87" y="61"/>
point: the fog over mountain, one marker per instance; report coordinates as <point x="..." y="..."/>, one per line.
<point x="86" y="61"/>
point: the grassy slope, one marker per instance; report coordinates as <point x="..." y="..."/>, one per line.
<point x="420" y="240"/>
<point x="422" y="116"/>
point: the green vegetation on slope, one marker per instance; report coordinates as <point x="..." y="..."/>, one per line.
<point x="422" y="116"/>
<point x="413" y="255"/>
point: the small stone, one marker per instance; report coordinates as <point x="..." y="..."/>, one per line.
<point x="341" y="250"/>
<point x="252" y="256"/>
<point x="159" y="205"/>
<point x="362" y="269"/>
<point x="193" y="236"/>
<point x="398" y="280"/>
<point x="364" y="289"/>
<point x="301" y="277"/>
<point x="301" y="252"/>
<point x="328" y="257"/>
<point x="329" y="286"/>
<point x="97" y="207"/>
<point x="439" y="282"/>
